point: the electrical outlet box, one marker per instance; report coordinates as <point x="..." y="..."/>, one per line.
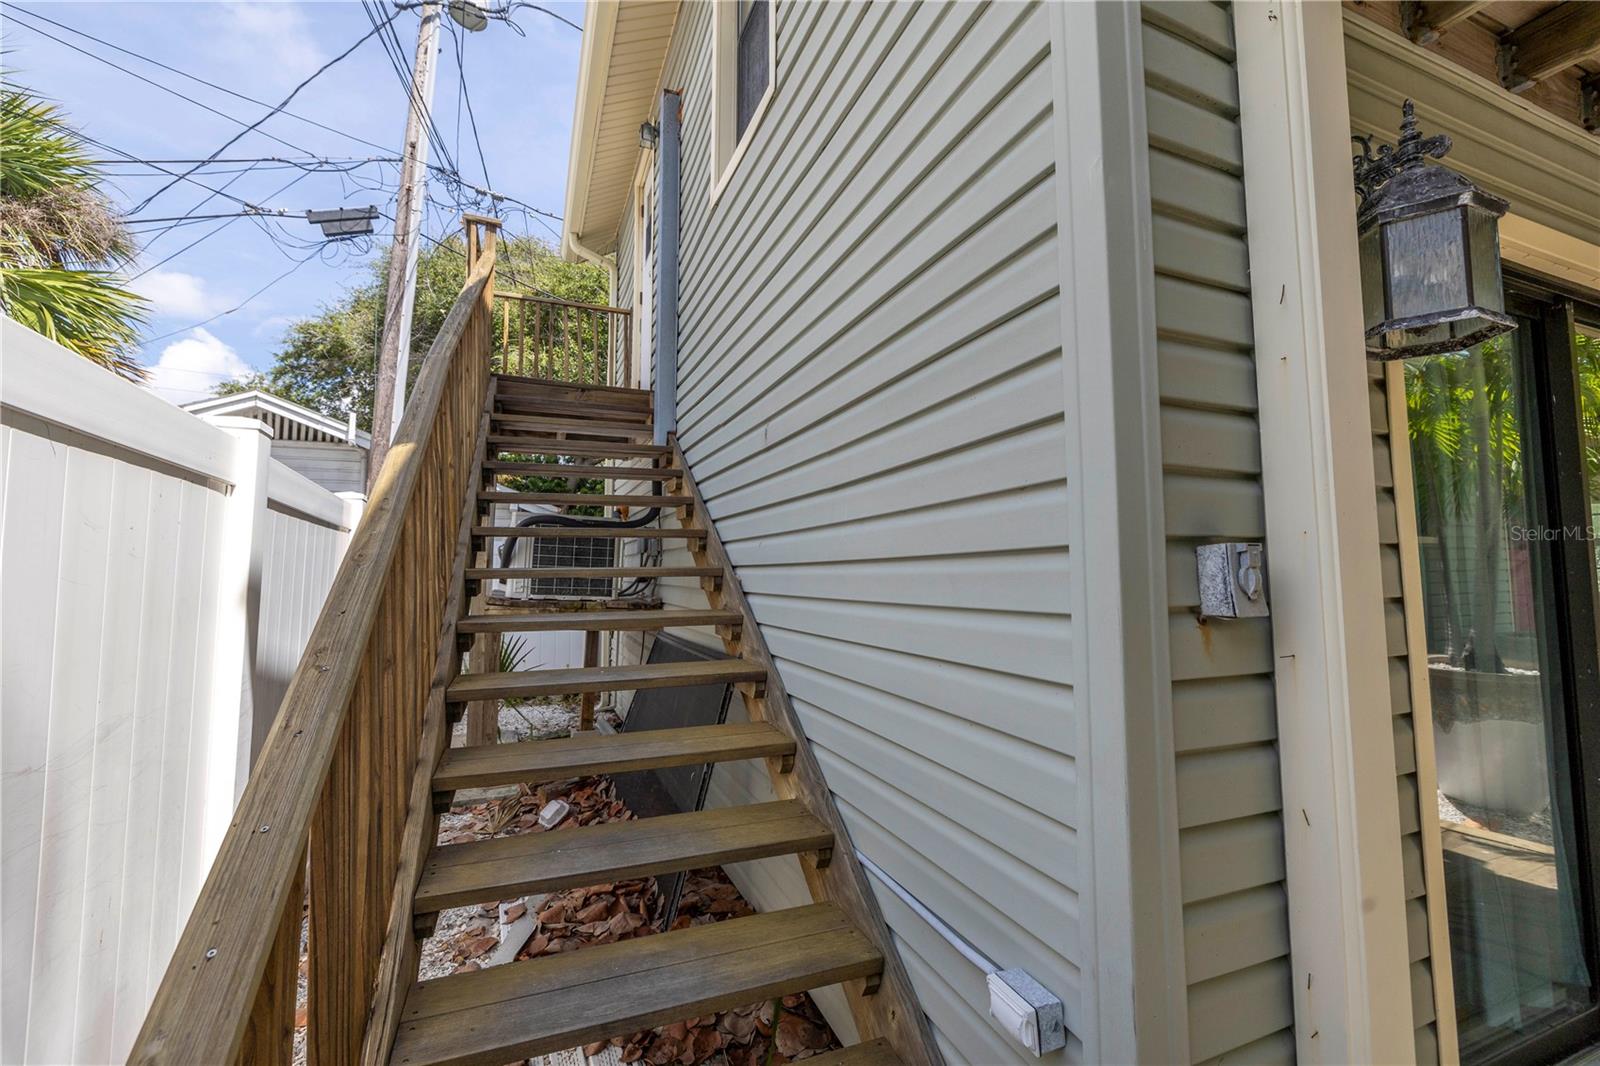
<point x="1232" y="580"/>
<point x="1027" y="1012"/>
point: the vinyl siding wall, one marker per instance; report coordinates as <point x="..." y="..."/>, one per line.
<point x="336" y="467"/>
<point x="870" y="396"/>
<point x="1235" y="914"/>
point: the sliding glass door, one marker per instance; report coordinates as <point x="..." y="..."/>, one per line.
<point x="1505" y="443"/>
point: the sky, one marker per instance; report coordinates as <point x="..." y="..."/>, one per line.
<point x="219" y="309"/>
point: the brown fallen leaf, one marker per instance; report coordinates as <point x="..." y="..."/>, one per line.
<point x="480" y="944"/>
<point x="594" y="912"/>
<point x="795" y="1034"/>
<point x="515" y="911"/>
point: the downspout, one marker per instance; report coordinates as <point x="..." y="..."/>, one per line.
<point x="666" y="324"/>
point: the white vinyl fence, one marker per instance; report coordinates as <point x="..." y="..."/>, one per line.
<point x="159" y="576"/>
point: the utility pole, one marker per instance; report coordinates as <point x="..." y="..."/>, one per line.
<point x="400" y="297"/>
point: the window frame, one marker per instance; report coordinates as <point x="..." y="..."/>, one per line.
<point x="728" y="147"/>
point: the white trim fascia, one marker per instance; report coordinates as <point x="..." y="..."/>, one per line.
<point x="1347" y="929"/>
<point x="594" y="65"/>
<point x="1550" y="252"/>
<point x="240" y="403"/>
<point x="1132" y="1004"/>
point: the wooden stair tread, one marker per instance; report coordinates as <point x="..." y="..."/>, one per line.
<point x="484" y="871"/>
<point x="536" y="445"/>
<point x="642" y="500"/>
<point x="575" y="532"/>
<point x="538" y="423"/>
<point x="873" y="1053"/>
<point x="517" y="573"/>
<point x="533" y="761"/>
<point x="495" y="1015"/>
<point x="619" y="619"/>
<point x="584" y="470"/>
<point x="552" y="406"/>
<point x="515" y="383"/>
<point x="469" y="687"/>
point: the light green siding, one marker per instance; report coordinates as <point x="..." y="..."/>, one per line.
<point x="871" y="397"/>
<point x="1235" y="915"/>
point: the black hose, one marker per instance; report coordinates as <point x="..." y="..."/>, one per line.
<point x="579" y="521"/>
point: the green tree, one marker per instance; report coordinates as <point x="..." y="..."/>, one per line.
<point x="60" y="239"/>
<point x="328" y="362"/>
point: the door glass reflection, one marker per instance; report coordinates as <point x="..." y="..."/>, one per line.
<point x="1505" y="802"/>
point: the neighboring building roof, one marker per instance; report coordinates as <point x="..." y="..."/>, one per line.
<point x="289" y="421"/>
<point x="619" y="82"/>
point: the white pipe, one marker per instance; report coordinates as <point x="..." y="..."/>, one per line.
<point x="955" y="939"/>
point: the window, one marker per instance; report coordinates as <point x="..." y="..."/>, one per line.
<point x="744" y="44"/>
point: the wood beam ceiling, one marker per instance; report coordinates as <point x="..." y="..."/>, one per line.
<point x="1566" y="34"/>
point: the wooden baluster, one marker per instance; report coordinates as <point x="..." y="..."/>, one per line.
<point x="505" y="336"/>
<point x="566" y="342"/>
<point x="269" y="1037"/>
<point x="627" y="352"/>
<point x="522" y="337"/>
<point x="538" y="340"/>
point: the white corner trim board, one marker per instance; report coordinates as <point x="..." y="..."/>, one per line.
<point x="1133" y="1000"/>
<point x="1347" y="926"/>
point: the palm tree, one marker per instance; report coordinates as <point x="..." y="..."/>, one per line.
<point x="59" y="237"/>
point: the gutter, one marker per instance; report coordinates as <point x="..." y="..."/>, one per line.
<point x="594" y="62"/>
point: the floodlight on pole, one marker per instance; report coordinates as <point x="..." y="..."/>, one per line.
<point x="468" y="15"/>
<point x="344" y="221"/>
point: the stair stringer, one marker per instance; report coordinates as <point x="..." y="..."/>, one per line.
<point x="891" y="1011"/>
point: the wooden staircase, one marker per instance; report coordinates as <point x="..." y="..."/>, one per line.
<point x="550" y="1004"/>
<point x="330" y="872"/>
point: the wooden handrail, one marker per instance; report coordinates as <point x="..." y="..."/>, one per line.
<point x="534" y="297"/>
<point x="334" y="778"/>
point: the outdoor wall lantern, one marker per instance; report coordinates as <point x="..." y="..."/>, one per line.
<point x="1430" y="250"/>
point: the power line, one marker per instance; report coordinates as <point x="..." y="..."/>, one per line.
<point x="241" y="303"/>
<point x="197" y="78"/>
<point x="210" y="233"/>
<point x="466" y="94"/>
<point x="149" y="81"/>
<point x="402" y="69"/>
<point x="257" y="213"/>
<point x="281" y="105"/>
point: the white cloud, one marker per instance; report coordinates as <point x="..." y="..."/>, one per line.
<point x="192" y="368"/>
<point x="172" y="292"/>
<point x="276" y="35"/>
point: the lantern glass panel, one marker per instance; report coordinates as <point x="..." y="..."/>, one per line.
<point x="1483" y="235"/>
<point x="1372" y="277"/>
<point x="1427" y="266"/>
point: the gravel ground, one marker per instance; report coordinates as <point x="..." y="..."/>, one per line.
<point x="1535" y="826"/>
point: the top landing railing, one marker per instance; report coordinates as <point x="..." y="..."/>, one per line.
<point x="543" y="337"/>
